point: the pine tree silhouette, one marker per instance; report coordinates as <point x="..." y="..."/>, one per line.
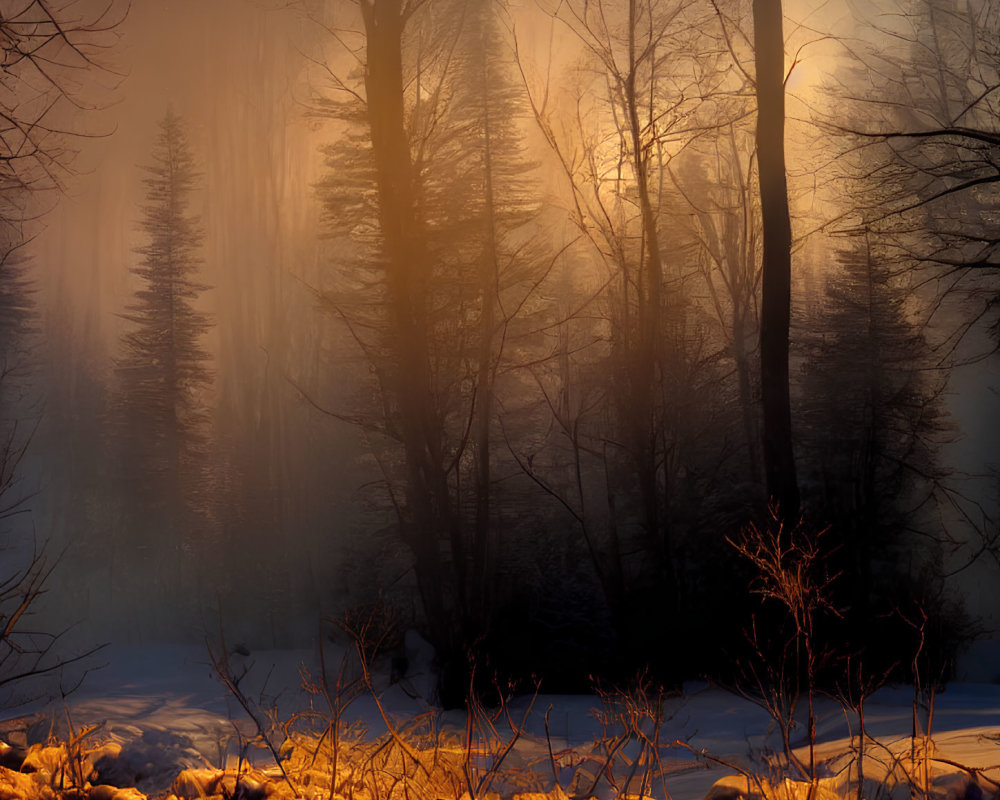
<point x="163" y="371"/>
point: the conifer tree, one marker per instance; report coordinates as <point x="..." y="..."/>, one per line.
<point x="872" y="421"/>
<point x="163" y="369"/>
<point x="428" y="192"/>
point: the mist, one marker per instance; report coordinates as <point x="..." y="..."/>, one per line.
<point x="475" y="332"/>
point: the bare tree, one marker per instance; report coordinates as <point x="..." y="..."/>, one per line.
<point x="53" y="52"/>
<point x="719" y="184"/>
<point x="633" y="385"/>
<point x="926" y="128"/>
<point x="788" y="568"/>
<point x="52" y="56"/>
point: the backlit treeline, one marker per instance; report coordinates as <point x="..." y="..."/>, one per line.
<point x="631" y="409"/>
<point x="501" y="362"/>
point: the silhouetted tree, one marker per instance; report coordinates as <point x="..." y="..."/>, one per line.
<point x="163" y="371"/>
<point x="720" y="185"/>
<point x="872" y="411"/>
<point x="872" y="421"/>
<point x="923" y="151"/>
<point x="44" y="46"/>
<point x="481" y="208"/>
<point x="928" y="121"/>
<point x="46" y="49"/>
<point x="633" y="384"/>
<point x="426" y="191"/>
<point x="776" y="234"/>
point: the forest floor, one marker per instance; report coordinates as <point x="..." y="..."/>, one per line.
<point x="157" y="722"/>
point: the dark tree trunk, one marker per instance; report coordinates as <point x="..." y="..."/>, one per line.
<point x="479" y="573"/>
<point x="427" y="516"/>
<point x="779" y="461"/>
<point x="646" y="369"/>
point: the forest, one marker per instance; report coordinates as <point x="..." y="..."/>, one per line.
<point x="588" y="338"/>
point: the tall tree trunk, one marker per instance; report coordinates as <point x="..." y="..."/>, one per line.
<point x="769" y="57"/>
<point x="646" y="364"/>
<point x="428" y="514"/>
<point x="489" y="267"/>
<point x="748" y="408"/>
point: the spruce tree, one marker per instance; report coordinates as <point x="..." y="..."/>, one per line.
<point x="873" y="419"/>
<point x="163" y="369"/>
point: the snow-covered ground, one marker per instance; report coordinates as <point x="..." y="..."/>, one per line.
<point x="167" y="709"/>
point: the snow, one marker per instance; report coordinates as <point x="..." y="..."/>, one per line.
<point x="168" y="712"/>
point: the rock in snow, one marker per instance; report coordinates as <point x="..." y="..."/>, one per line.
<point x="194" y="784"/>
<point x="740" y="787"/>
<point x="21" y="786"/>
